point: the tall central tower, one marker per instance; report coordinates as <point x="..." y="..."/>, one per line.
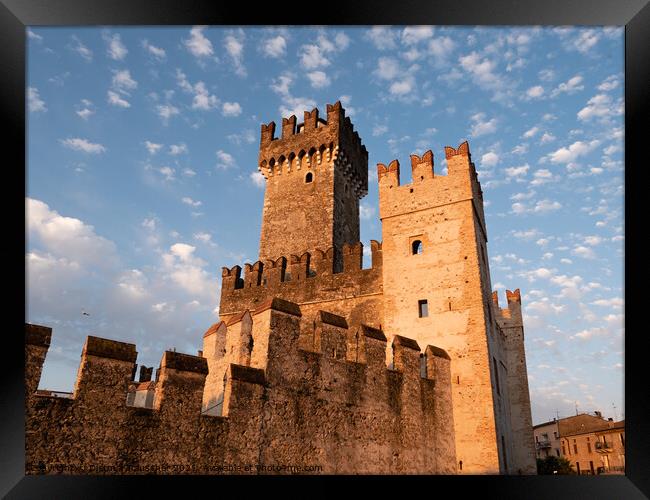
<point x="316" y="173"/>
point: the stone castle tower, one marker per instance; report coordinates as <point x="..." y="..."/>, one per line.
<point x="407" y="366"/>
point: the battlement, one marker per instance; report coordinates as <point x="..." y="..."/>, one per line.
<point x="283" y="384"/>
<point x="509" y="316"/>
<point x="303" y="146"/>
<point x="308" y="277"/>
<point x="428" y="189"/>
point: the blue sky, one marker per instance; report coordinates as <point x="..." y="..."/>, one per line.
<point x="142" y="180"/>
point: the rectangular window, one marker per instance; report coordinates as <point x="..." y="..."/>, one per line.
<point x="578" y="467"/>
<point x="575" y="448"/>
<point x="423" y="308"/>
<point x="563" y="450"/>
<point x="557" y="452"/>
<point x="589" y="447"/>
<point x="591" y="467"/>
<point x="555" y="434"/>
<point x="496" y="374"/>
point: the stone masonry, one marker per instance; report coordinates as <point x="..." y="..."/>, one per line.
<point x="407" y="366"/>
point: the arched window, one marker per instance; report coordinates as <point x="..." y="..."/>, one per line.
<point x="309" y="177"/>
<point x="416" y="247"/>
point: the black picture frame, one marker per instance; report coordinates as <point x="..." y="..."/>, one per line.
<point x="16" y="15"/>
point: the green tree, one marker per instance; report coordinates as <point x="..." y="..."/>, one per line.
<point x="554" y="465"/>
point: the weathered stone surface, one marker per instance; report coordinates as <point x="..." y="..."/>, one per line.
<point x="295" y="373"/>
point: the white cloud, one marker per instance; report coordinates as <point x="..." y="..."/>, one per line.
<point x="81" y="49"/>
<point x="204" y="237"/>
<point x="593" y="240"/>
<point x="482" y="71"/>
<point x="168" y="172"/>
<point x="198" y="45"/>
<point x="584" y="252"/>
<point x="517" y="171"/>
<point x="341" y="40"/>
<point x="122" y="81"/>
<point x="387" y="68"/>
<point x="166" y="111"/>
<point x="177" y="149"/>
<point x="379" y="130"/>
<point x="189" y="201"/>
<point x="84" y="145"/>
<point x="291" y="105"/>
<point x="482" y="127"/>
<point x="34" y="101"/>
<point x="188" y="172"/>
<point x="614" y="302"/>
<point x="157" y="52"/>
<point x="225" y="160"/>
<point x="546" y="75"/>
<point x="571" y="86"/>
<point x="318" y="79"/>
<point x="152" y="147"/>
<point x="535" y="92"/>
<point x="541" y="176"/>
<point x="257" y="178"/>
<point x="382" y="37"/>
<point x="312" y="57"/>
<point x="149" y="223"/>
<point x="600" y="106"/>
<point x="610" y="83"/>
<point x="415" y="34"/>
<point x="586" y="40"/>
<point x="34" y="36"/>
<point x="234" y="45"/>
<point x="186" y="270"/>
<point x="574" y="151"/>
<point x="441" y="48"/>
<point x="531" y="132"/>
<point x="67" y="237"/>
<point x="520" y="149"/>
<point x="274" y="47"/>
<point x="526" y="235"/>
<point x="116" y="100"/>
<point x="85" y="112"/>
<point x="489" y="159"/>
<point x="231" y="109"/>
<point x="203" y="100"/>
<point x="115" y="49"/>
<point x="402" y="87"/>
<point x="544" y="206"/>
<point x="547" y="137"/>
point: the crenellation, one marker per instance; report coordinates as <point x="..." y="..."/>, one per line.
<point x="315" y="359"/>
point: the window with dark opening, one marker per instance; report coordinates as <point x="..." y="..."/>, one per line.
<point x="416" y="247"/>
<point x="496" y="374"/>
<point x="309" y="177"/>
<point x="423" y="308"/>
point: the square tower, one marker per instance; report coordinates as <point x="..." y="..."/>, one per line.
<point x="436" y="289"/>
<point x="316" y="173"/>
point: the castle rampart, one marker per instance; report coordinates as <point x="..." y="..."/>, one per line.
<point x="309" y="280"/>
<point x="346" y="416"/>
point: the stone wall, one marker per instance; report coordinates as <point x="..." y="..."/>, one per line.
<point x="315" y="173"/>
<point x="354" y="293"/>
<point x="284" y="406"/>
<point x="510" y="322"/>
<point x="445" y="214"/>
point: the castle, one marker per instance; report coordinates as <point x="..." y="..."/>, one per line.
<point x="407" y="366"/>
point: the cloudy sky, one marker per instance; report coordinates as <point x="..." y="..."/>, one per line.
<point x="142" y="181"/>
